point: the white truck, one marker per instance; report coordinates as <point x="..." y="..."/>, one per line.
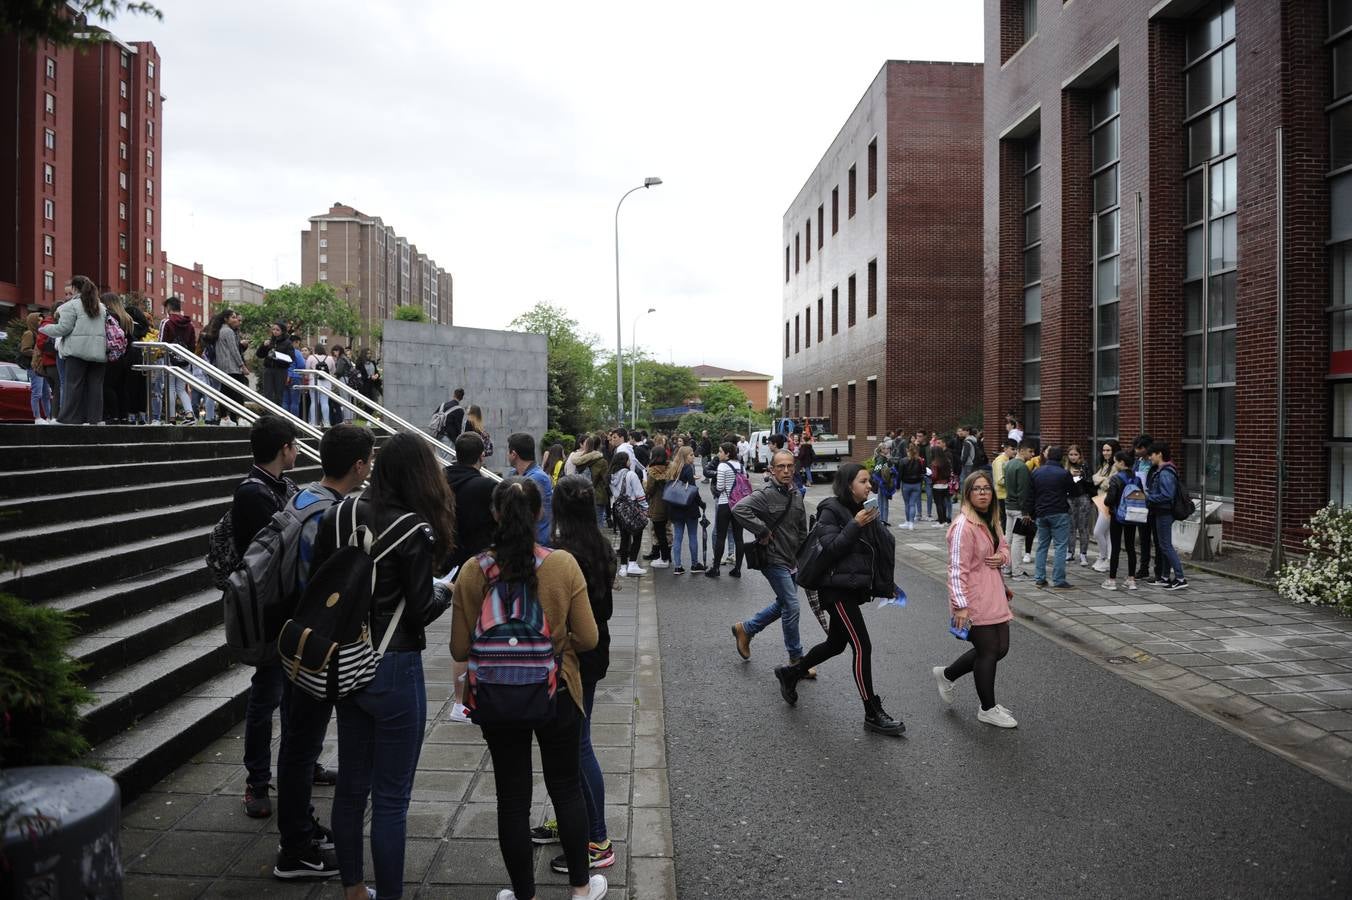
<point x="830" y="451"/>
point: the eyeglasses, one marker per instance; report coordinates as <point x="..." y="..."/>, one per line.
<point x="981" y="489"/>
<point x="782" y="466"/>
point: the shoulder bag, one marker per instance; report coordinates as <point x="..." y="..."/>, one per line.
<point x="754" y="553"/>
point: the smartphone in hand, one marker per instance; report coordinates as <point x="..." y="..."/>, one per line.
<point x="959" y="633"/>
<point x="871" y="503"/>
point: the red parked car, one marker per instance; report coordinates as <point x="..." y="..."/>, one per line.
<point x="15" y="405"/>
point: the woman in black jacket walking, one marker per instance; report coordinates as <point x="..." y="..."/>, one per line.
<point x="857" y="551"/>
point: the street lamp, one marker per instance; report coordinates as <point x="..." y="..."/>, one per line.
<point x="619" y="338"/>
<point x="633" y="369"/>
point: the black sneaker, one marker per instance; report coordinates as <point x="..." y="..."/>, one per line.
<point x="1039" y="584"/>
<point x="1158" y="580"/>
<point x="678" y="571"/>
<point x="735" y="572"/>
<point x="324" y="776"/>
<point x="320" y="836"/>
<point x="1178" y="585"/>
<point x="712" y="572"/>
<point x="547" y="833"/>
<point x="256" y="802"/>
<point x="788" y="683"/>
<point x="309" y="863"/>
<point x="697" y="567"/>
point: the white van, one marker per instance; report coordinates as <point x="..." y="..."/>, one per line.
<point x="760" y="450"/>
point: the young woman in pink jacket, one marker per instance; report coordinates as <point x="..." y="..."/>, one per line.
<point x="976" y="594"/>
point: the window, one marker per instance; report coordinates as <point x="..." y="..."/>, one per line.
<point x="150" y="216"/>
<point x="150" y="248"/>
<point x="821" y="320"/>
<point x="323" y="226"/>
<point x="1029" y="20"/>
<point x="49" y="102"/>
<point x="122" y="89"/>
<point x="122" y="180"/>
<point x="150" y="276"/>
<point x="835" y="209"/>
<point x="821" y="402"/>
<point x="48" y="245"/>
<point x="795" y="333"/>
<point x="1105" y="241"/>
<point x="48" y="210"/>
<point x="150" y="159"/>
<point x="150" y="129"/>
<point x="835" y="405"/>
<point x="851" y="295"/>
<point x="122" y="149"/>
<point x="48" y="173"/>
<point x="122" y="119"/>
<point x="786" y="339"/>
<point x="323" y="242"/>
<point x="150" y="99"/>
<point x="323" y="276"/>
<point x="850" y="198"/>
<point x="1032" y="287"/>
<point x="122" y="241"/>
<point x="872" y="288"/>
<point x="150" y="187"/>
<point x="124" y="60"/>
<point x="51" y="73"/>
<point x="872" y="167"/>
<point x="835" y="309"/>
<point x="786" y="263"/>
<point x="821" y="231"/>
<point x="323" y="257"/>
<point x="850" y="399"/>
<point x="122" y="212"/>
<point x="797" y="405"/>
<point x="807" y="404"/>
<point x="1210" y="278"/>
<point x="150" y="70"/>
<point x="49" y="138"/>
<point x="872" y="430"/>
<point x="1340" y="256"/>
<point x="807" y="328"/>
<point x="48" y="278"/>
<point x="122" y="271"/>
<point x="807" y="244"/>
<point x="797" y="240"/>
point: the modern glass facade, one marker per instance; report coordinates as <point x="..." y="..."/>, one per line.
<point x="1105" y="144"/>
<point x="1340" y="252"/>
<point x="1032" y="287"/>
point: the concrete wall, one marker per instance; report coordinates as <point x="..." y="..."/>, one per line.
<point x="502" y="372"/>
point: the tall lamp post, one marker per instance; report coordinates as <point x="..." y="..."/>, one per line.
<point x="633" y="369"/>
<point x="619" y="337"/>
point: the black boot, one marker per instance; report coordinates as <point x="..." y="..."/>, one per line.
<point x="788" y="682"/>
<point x="877" y="719"/>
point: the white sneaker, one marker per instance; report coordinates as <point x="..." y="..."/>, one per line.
<point x="1101" y="565"/>
<point x="910" y="526"/>
<point x="945" y="686"/>
<point x="1131" y="584"/>
<point x="506" y="895"/>
<point x="460" y="714"/>
<point x="1027" y="559"/>
<point x="1109" y="585"/>
<point x="634" y="569"/>
<point x="938" y="525"/>
<point x="596" y="888"/>
<point x="1084" y="560"/>
<point x="998" y="716"/>
<point x="660" y="564"/>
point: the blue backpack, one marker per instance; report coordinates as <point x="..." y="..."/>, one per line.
<point x="1131" y="506"/>
<point x="513" y="669"/>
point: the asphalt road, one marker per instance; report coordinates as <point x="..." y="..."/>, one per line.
<point x="1104" y="790"/>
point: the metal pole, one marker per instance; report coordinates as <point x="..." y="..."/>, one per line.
<point x="1094" y="324"/>
<point x="1276" y="560"/>
<point x="1201" y="548"/>
<point x="633" y="375"/>
<point x="619" y="338"/>
<point x="1140" y="324"/>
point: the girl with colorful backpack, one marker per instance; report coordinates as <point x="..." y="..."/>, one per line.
<point x="538" y="597"/>
<point x="81" y="323"/>
<point x="1124" y="494"/>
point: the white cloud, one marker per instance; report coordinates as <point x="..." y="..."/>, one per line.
<point x="498" y="138"/>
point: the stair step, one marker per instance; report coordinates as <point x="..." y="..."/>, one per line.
<point x="35" y="544"/>
<point x="98" y="607"/>
<point x="137" y="637"/>
<point x="55" y="456"/>
<point x="98" y="477"/>
<point x="25" y="435"/>
<point x="105" y="501"/>
<point x="164" y="740"/>
<point x="143" y="687"/>
<point x="74" y="574"/>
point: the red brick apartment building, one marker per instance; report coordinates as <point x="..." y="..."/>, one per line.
<point x="882" y="260"/>
<point x="1134" y="180"/>
<point x="82" y="164"/>
<point x="200" y="292"/>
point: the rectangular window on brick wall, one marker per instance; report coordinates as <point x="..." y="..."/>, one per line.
<point x="1104" y="239"/>
<point x="872" y="288"/>
<point x="821" y="230"/>
<point x="852" y="186"/>
<point x="1210" y="282"/>
<point x="795" y="334"/>
<point x="851" y="297"/>
<point x="1018" y="25"/>
<point x="807" y="244"/>
<point x="821" y="402"/>
<point x="835" y="408"/>
<point x="1032" y="287"/>
<point x="835" y="209"/>
<point x="872" y="408"/>
<point x="851" y="398"/>
<point x="807" y="327"/>
<point x="786" y="264"/>
<point x="797" y="241"/>
<point x="786" y="340"/>
<point x="835" y="310"/>
<point x="797" y="405"/>
<point x="807" y="404"/>
<point x="873" y="167"/>
<point x="821" y="320"/>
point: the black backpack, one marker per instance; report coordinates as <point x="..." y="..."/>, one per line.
<point x="979" y="459"/>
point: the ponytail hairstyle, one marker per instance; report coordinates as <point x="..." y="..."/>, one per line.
<point x="117" y="310"/>
<point x="516" y="507"/>
<point x="89" y="295"/>
<point x="575" y="530"/>
<point x="407" y="477"/>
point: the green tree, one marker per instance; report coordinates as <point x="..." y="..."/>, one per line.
<point x="719" y="395"/>
<point x="664" y="385"/>
<point x="311" y="307"/>
<point x="410" y="314"/>
<point x="35" y="21"/>
<point x="571" y="360"/>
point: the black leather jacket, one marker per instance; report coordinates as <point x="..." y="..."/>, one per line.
<point x="862" y="560"/>
<point x="405" y="573"/>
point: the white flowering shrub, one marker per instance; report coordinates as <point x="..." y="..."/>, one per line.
<point x="1324" y="576"/>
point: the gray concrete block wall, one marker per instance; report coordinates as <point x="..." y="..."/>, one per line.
<point x="502" y="372"/>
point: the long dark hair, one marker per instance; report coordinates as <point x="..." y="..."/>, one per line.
<point x="407" y="477"/>
<point x="89" y="295"/>
<point x="574" y="511"/>
<point x="113" y="303"/>
<point x="840" y="488"/>
<point x="516" y="506"/>
<point x="213" y="329"/>
<point x="618" y="461"/>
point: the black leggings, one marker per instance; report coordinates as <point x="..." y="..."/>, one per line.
<point x="1116" y="531"/>
<point x="661" y="545"/>
<point x="990" y="643"/>
<point x="630" y="542"/>
<point x="941" y="505"/>
<point x="510" y="749"/>
<point x="847" y="627"/>
<point x="722" y="522"/>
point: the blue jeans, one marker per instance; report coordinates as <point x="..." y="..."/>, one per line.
<point x="303" y="727"/>
<point x="593" y="784"/>
<point x="292" y="398"/>
<point x="265" y="695"/>
<point x="929" y="496"/>
<point x="380" y="735"/>
<point x="1164" y="535"/>
<point x="785" y="585"/>
<point x="883" y="503"/>
<point x="911" y="493"/>
<point x="684" y="530"/>
<point x="1052" y="528"/>
<point x="40" y="396"/>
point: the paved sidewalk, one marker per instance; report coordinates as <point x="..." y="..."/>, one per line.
<point x="189" y="837"/>
<point x="1277" y="673"/>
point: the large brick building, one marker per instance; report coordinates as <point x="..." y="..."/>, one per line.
<point x="82" y="167"/>
<point x="200" y="292"/>
<point x="1113" y="128"/>
<point x="882" y="260"/>
<point x="367" y="262"/>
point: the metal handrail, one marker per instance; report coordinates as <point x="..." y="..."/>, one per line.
<point x="216" y="394"/>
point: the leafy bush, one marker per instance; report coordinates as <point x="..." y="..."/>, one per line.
<point x="410" y="314"/>
<point x="40" y="696"/>
<point x="1324" y="576"/>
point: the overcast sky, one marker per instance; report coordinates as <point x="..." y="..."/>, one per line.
<point x="498" y="138"/>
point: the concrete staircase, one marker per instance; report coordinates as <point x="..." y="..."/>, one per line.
<point x="110" y="524"/>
